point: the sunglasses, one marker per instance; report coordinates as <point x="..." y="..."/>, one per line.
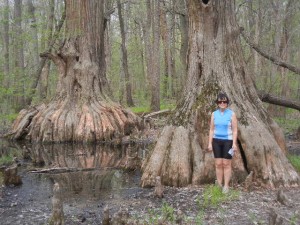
<point x="224" y="102"/>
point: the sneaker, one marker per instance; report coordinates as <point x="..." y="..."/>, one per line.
<point x="225" y="190"/>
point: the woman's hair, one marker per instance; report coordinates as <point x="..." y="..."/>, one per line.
<point x="222" y="96"/>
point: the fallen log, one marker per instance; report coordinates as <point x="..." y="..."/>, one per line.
<point x="67" y="170"/>
<point x="153" y="114"/>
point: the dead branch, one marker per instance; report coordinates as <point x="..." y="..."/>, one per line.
<point x="66" y="170"/>
<point x="44" y="59"/>
<point x="266" y="97"/>
<point x="274" y="59"/>
<point x="165" y="111"/>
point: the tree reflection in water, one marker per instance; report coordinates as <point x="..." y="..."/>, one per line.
<point x="109" y="166"/>
<point x="89" y="176"/>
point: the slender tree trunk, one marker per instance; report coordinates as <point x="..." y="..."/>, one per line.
<point x="155" y="76"/>
<point x="19" y="53"/>
<point x="215" y="63"/>
<point x="129" y="99"/>
<point x="183" y="26"/>
<point x="122" y="81"/>
<point x="6" y="44"/>
<point x="284" y="52"/>
<point x="165" y="42"/>
<point x="34" y="33"/>
<point x="275" y="70"/>
<point x="44" y="76"/>
<point x="81" y="110"/>
<point x="152" y="51"/>
<point x="43" y="61"/>
<point x="257" y="35"/>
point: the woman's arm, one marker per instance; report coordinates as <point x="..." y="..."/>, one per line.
<point x="234" y="131"/>
<point x="211" y="132"/>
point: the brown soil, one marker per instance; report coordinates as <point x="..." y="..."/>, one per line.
<point x="250" y="207"/>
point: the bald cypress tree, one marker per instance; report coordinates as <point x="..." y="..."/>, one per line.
<point x="216" y="63"/>
<point x="81" y="109"/>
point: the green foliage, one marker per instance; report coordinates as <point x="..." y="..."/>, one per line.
<point x="288" y="125"/>
<point x="211" y="198"/>
<point x="140" y="109"/>
<point x="9" y="117"/>
<point x="295" y="218"/>
<point x="168" y="212"/>
<point x="7" y="158"/>
<point x="295" y="161"/>
<point x="199" y="218"/>
<point x="146" y="109"/>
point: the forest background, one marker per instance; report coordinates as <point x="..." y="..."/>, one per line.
<point x="31" y="27"/>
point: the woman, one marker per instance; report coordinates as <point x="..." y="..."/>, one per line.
<point x="222" y="138"/>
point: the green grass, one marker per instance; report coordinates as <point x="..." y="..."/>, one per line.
<point x="288" y="125"/>
<point x="295" y="161"/>
<point x="146" y="109"/>
<point x="140" y="109"/>
<point x="5" y="160"/>
<point x="211" y="197"/>
<point x="8" y="157"/>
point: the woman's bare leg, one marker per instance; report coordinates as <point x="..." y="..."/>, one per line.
<point x="219" y="170"/>
<point x="227" y="171"/>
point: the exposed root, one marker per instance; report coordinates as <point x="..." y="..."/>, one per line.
<point x="63" y="121"/>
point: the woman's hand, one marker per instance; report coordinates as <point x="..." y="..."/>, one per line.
<point x="209" y="147"/>
<point x="234" y="147"/>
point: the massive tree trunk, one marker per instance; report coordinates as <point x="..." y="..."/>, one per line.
<point x="81" y="109"/>
<point x="215" y="63"/>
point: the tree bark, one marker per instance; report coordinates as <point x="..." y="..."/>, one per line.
<point x="81" y="110"/>
<point x="215" y="63"/>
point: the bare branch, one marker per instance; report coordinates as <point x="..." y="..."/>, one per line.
<point x="275" y="100"/>
<point x="274" y="59"/>
<point x="43" y="61"/>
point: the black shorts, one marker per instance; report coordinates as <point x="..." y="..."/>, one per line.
<point x="221" y="148"/>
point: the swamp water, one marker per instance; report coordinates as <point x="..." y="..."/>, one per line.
<point x="90" y="177"/>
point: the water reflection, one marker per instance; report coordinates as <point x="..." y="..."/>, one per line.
<point x="109" y="167"/>
<point x="86" y="174"/>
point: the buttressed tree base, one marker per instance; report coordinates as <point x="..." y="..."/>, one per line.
<point x="216" y="63"/>
<point x="81" y="109"/>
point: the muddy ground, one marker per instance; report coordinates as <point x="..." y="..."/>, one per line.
<point x="31" y="203"/>
<point x="34" y="205"/>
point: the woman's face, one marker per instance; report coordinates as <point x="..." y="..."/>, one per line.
<point x="223" y="103"/>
